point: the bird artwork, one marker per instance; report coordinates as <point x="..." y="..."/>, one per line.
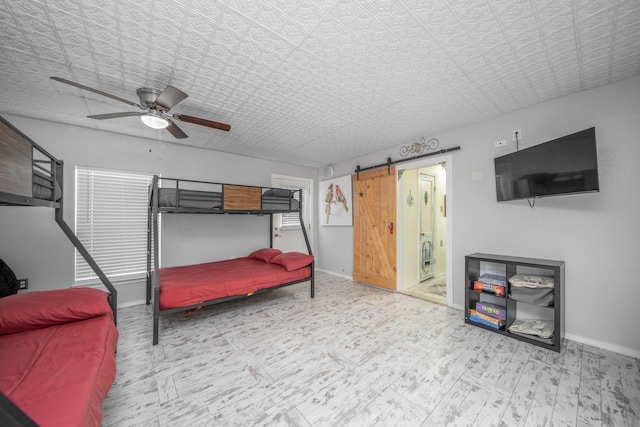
<point x="328" y="201"/>
<point x="337" y="198"/>
<point x="341" y="198"/>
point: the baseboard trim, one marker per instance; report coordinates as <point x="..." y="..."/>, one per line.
<point x="408" y="286"/>
<point x="132" y="303"/>
<point x="605" y="346"/>
<point x="577" y="338"/>
<point x="333" y="273"/>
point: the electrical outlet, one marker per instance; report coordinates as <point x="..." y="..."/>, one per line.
<point x="23" y="284"/>
<point x="518" y="133"/>
<point x="500" y="143"/>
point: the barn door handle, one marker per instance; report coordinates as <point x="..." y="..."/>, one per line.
<point x="390" y="227"/>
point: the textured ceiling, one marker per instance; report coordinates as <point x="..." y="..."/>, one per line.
<point x="310" y="82"/>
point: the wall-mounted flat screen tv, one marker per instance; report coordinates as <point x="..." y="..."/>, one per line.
<point x="565" y="165"/>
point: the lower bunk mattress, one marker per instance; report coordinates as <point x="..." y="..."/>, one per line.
<point x="189" y="285"/>
<point x="59" y="375"/>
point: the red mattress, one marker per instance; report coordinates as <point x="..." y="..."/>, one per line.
<point x="193" y="284"/>
<point x="59" y="375"/>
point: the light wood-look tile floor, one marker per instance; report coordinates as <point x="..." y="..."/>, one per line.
<point x="434" y="290"/>
<point x="355" y="355"/>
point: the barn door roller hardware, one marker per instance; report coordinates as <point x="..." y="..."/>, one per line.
<point x="391" y="162"/>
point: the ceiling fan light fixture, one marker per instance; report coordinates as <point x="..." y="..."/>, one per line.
<point x="155" y="121"/>
<point x="155" y="105"/>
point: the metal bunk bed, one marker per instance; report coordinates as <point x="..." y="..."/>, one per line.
<point x="30" y="176"/>
<point x="203" y="197"/>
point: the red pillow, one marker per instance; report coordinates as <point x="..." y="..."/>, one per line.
<point x="39" y="309"/>
<point x="292" y="260"/>
<point x="265" y="254"/>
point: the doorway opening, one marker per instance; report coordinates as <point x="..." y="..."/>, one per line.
<point x="424" y="246"/>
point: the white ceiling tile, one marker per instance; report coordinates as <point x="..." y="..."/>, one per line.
<point x="248" y="8"/>
<point x="270" y="17"/>
<point x="626" y="29"/>
<point x="345" y="11"/>
<point x="329" y="28"/>
<point x="586" y="8"/>
<point x="293" y="32"/>
<point x="307" y="14"/>
<point x="314" y="81"/>
<point x="383" y="9"/>
<point x="549" y="8"/>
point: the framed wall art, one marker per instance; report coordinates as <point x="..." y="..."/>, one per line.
<point x="336" y="202"/>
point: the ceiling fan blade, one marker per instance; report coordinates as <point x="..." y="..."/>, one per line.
<point x="115" y="115"/>
<point x="176" y="131"/>
<point x="90" y="89"/>
<point x="202" y="122"/>
<point x="170" y="97"/>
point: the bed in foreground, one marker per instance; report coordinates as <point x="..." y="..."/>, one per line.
<point x="57" y="356"/>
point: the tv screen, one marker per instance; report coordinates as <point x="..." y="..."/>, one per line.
<point x="562" y="166"/>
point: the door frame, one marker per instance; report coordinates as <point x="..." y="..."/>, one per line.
<point x="420" y="163"/>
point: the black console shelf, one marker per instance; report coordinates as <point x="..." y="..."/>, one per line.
<point x="479" y="263"/>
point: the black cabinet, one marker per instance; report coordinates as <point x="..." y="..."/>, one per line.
<point x="526" y="311"/>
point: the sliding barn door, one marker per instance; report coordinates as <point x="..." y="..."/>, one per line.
<point x="374" y="227"/>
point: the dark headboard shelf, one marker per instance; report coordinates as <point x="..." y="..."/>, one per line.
<point x="16" y="162"/>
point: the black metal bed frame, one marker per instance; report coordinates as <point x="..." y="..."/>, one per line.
<point x="153" y="268"/>
<point x="53" y="169"/>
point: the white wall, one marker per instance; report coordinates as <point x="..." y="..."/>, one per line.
<point x="33" y="245"/>
<point x="597" y="235"/>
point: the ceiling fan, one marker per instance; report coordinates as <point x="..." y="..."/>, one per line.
<point x="156" y="105"/>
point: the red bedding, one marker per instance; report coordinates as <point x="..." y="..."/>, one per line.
<point x="193" y="284"/>
<point x="59" y="375"/>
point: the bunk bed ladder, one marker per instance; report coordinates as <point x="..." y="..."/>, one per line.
<point x="113" y="297"/>
<point x="150" y="212"/>
<point x="153" y="275"/>
<point x="153" y="259"/>
<point x="306" y="240"/>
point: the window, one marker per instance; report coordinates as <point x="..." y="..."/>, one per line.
<point x="291" y="220"/>
<point x="111" y="222"/>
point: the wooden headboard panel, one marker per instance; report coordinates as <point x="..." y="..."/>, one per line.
<point x="16" y="161"/>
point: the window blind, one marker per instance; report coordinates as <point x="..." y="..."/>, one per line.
<point x="291" y="220"/>
<point x="111" y="221"/>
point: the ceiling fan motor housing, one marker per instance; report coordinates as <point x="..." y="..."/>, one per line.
<point x="148" y="96"/>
